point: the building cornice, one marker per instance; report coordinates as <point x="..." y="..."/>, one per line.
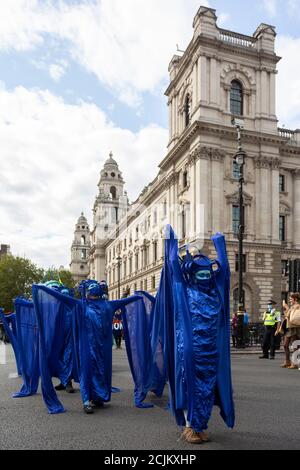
<point x="192" y="54"/>
<point x="227" y="132"/>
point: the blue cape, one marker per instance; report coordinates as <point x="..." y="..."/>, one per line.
<point x="138" y="331"/>
<point x="28" y="347"/>
<point x="173" y="304"/>
<point x="88" y="357"/>
<point x="9" y="323"/>
<point x="54" y="313"/>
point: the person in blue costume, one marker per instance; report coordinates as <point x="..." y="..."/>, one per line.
<point x="27" y="337"/>
<point x="193" y="299"/>
<point x="95" y="344"/>
<point x="10" y="328"/>
<point x="67" y="360"/>
<point x="146" y="364"/>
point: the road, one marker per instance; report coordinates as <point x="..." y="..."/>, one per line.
<point x="267" y="402"/>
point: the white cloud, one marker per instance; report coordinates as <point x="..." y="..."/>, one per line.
<point x="57" y="71"/>
<point x="126" y="44"/>
<point x="51" y="157"/>
<point x="288" y="81"/>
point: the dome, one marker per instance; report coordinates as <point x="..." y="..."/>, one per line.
<point x="82" y="220"/>
<point x="110" y="162"/>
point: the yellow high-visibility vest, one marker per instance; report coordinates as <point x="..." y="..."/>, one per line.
<point x="271" y="319"/>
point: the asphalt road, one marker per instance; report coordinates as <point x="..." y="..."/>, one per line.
<point x="267" y="402"/>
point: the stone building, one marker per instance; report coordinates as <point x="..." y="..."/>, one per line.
<point x="221" y="75"/>
<point x="80" y="250"/>
<point x="4" y="250"/>
<point x="110" y="207"/>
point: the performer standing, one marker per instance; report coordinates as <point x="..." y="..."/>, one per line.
<point x="193" y="299"/>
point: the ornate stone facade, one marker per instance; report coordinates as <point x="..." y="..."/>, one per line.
<point x="196" y="189"/>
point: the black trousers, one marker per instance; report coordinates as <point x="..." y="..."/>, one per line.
<point x="269" y="341"/>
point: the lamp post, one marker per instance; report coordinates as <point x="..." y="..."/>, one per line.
<point x="240" y="160"/>
<point x="119" y="259"/>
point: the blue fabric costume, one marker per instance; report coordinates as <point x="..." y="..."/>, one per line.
<point x="27" y="336"/>
<point x="193" y="300"/>
<point x="54" y="317"/>
<point x="91" y="339"/>
<point x="147" y="372"/>
<point x="10" y="327"/>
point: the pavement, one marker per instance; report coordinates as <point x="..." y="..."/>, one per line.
<point x="267" y="401"/>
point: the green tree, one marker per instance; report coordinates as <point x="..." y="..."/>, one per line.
<point x="59" y="275"/>
<point x="16" y="278"/>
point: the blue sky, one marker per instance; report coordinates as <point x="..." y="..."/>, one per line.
<point x="81" y="78"/>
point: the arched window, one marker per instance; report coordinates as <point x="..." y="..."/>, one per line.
<point x="83" y="240"/>
<point x="113" y="192"/>
<point x="236" y="98"/>
<point x="187" y="106"/>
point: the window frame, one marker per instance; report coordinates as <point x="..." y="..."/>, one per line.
<point x="236" y="102"/>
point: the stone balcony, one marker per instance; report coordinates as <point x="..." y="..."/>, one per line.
<point x="237" y="39"/>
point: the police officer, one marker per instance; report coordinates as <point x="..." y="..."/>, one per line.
<point x="272" y="322"/>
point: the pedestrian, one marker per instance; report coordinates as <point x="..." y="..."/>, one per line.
<point x="234" y="329"/>
<point x="246" y="328"/>
<point x="292" y="315"/>
<point x="272" y="324"/>
<point x="118" y="329"/>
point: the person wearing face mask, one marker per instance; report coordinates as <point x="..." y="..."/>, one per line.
<point x="272" y="323"/>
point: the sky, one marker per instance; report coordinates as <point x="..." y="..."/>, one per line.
<point x="81" y="78"/>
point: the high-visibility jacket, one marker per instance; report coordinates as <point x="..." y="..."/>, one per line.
<point x="270" y="319"/>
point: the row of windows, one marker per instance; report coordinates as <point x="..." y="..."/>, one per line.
<point x="138" y="261"/>
<point x="140" y="229"/>
<point x="144" y="284"/>
<point x="236" y="222"/>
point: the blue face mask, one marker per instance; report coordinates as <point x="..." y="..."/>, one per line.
<point x="270" y="307"/>
<point x="203" y="275"/>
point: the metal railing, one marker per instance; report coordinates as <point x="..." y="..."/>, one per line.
<point x="237" y="39"/>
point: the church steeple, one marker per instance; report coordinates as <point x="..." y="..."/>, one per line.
<point x="110" y="206"/>
<point x="80" y="250"/>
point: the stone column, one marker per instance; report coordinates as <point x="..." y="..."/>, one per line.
<point x="214" y="82"/>
<point x="264" y="93"/>
<point x="273" y="94"/>
<point x="195" y="84"/>
<point x="258" y="93"/>
<point x="217" y="190"/>
<point x="265" y="205"/>
<point x="192" y="163"/>
<point x="202" y="79"/>
<point x="275" y="200"/>
<point x="203" y="162"/>
<point x="175" y="115"/>
<point x="170" y="119"/>
<point x="257" y="206"/>
<point x="296" y="207"/>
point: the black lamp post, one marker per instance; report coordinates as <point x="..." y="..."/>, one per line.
<point x="119" y="259"/>
<point x="240" y="161"/>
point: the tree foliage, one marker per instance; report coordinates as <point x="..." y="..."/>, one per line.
<point x="18" y="274"/>
<point x="62" y="275"/>
<point x="16" y="278"/>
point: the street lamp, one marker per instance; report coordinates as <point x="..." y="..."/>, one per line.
<point x="119" y="259"/>
<point x="240" y="161"/>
